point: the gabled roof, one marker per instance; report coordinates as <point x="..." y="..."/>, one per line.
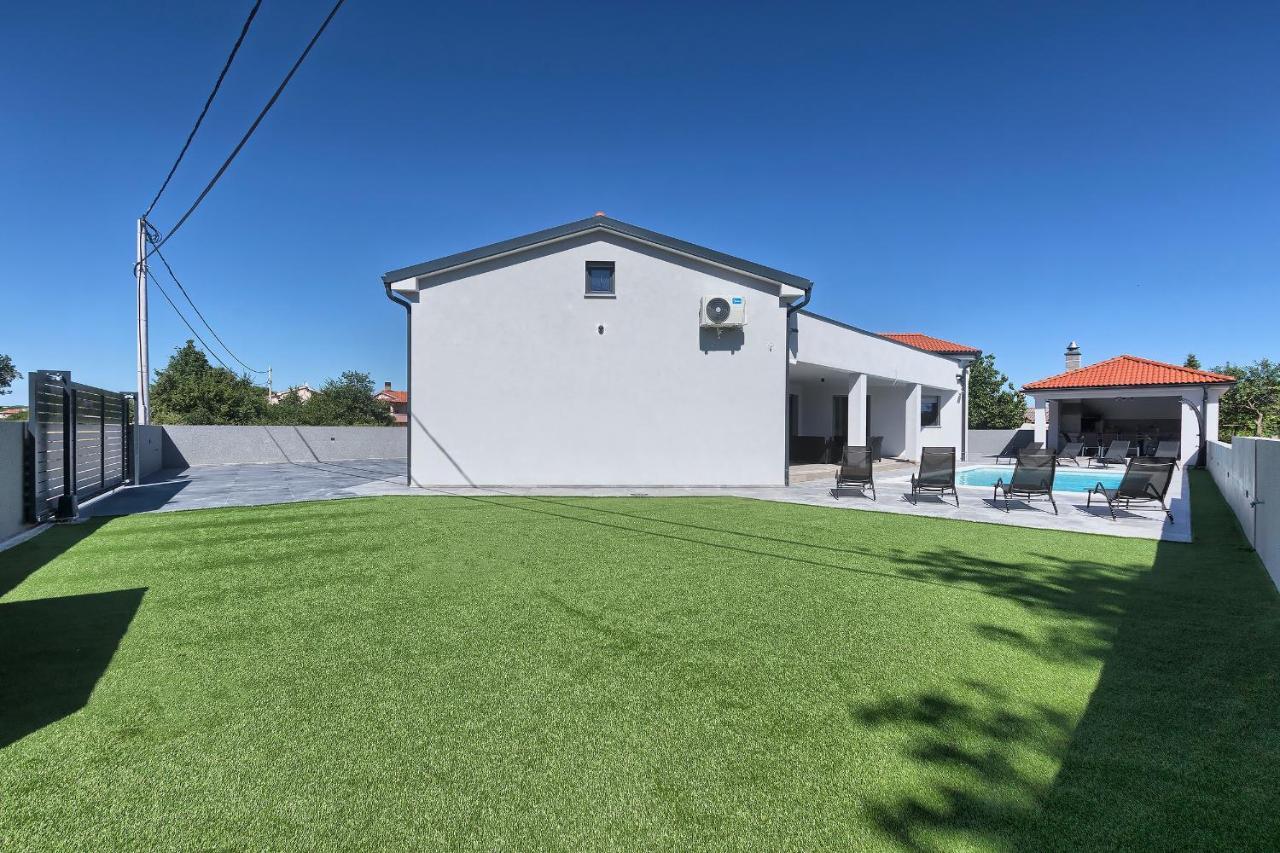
<point x="1129" y="371"/>
<point x="598" y="222"/>
<point x="392" y="396"/>
<point x="928" y="343"/>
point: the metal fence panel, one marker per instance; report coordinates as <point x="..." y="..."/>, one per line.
<point x="80" y="444"/>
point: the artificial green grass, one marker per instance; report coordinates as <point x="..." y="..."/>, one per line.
<point x="438" y="672"/>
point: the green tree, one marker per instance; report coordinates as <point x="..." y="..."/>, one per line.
<point x="189" y="390"/>
<point x="289" y="410"/>
<point x="1253" y="403"/>
<point x="347" y="401"/>
<point x="993" y="401"/>
<point x="1192" y="361"/>
<point x="8" y="373"/>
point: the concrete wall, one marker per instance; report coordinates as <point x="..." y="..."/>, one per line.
<point x="148" y="442"/>
<point x="521" y="379"/>
<point x="984" y="444"/>
<point x="184" y="446"/>
<point x="1247" y="472"/>
<point x="11" y="510"/>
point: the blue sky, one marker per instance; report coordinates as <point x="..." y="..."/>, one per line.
<point x="1009" y="175"/>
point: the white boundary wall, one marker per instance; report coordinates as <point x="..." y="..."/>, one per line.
<point x="11" y="510"/>
<point x="1247" y="472"/>
<point x="186" y="446"/>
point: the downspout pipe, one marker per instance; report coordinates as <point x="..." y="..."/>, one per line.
<point x="786" y="387"/>
<point x="408" y="393"/>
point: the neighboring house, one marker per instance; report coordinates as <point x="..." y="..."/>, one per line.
<point x="13" y="412"/>
<point x="1129" y="396"/>
<point x="600" y="353"/>
<point x="398" y="401"/>
<point x="303" y="391"/>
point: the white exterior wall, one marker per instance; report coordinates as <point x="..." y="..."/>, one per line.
<point x="896" y="376"/>
<point x="829" y="344"/>
<point x="513" y="384"/>
<point x="1247" y="472"/>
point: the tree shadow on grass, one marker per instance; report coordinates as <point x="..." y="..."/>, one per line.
<point x="1178" y="747"/>
<point x="53" y="651"/>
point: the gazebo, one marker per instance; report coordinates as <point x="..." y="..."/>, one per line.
<point x="1132" y="398"/>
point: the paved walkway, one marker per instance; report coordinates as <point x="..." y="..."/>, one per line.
<point x="251" y="485"/>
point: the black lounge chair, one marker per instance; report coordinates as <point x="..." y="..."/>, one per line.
<point x="937" y="473"/>
<point x="1012" y="450"/>
<point x="1144" y="482"/>
<point x="856" y="470"/>
<point x="1033" y="475"/>
<point x="1071" y="452"/>
<point x="1168" y="451"/>
<point x="1117" y="454"/>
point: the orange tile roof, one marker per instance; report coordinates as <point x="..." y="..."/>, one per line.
<point x="1127" y="371"/>
<point x="393" y="396"/>
<point x="928" y="343"/>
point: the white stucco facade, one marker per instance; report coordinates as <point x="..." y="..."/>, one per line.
<point x="520" y="377"/>
<point x="885" y="383"/>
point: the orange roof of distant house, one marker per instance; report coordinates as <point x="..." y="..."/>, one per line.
<point x="393" y="396"/>
<point x="928" y="343"/>
<point x="1127" y="371"/>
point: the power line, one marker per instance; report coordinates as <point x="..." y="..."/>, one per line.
<point x="227" y="163"/>
<point x="208" y="349"/>
<point x="190" y="302"/>
<point x="208" y="102"/>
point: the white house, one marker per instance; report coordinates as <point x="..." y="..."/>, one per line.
<point x="1129" y="396"/>
<point x="600" y="353"/>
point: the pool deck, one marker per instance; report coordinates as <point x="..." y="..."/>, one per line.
<point x="217" y="486"/>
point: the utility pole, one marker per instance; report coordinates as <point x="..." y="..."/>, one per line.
<point x="144" y="341"/>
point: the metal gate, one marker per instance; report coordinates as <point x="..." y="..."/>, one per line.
<point x="81" y="443"/>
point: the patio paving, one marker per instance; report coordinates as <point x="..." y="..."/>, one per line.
<point x="216" y="486"/>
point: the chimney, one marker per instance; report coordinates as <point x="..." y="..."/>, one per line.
<point x="599" y="213"/>
<point x="386" y="386"/>
<point x="1073" y="356"/>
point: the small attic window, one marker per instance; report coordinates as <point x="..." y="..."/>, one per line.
<point x="600" y="278"/>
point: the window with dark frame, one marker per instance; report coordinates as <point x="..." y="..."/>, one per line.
<point x="930" y="410"/>
<point x="600" y="278"/>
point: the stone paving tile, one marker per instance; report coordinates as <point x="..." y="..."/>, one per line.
<point x="254" y="485"/>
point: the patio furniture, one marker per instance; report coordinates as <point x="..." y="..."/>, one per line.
<point x="1090" y="440"/>
<point x="1117" y="454"/>
<point x="1033" y="475"/>
<point x="1144" y="482"/>
<point x="937" y="473"/>
<point x="1071" y="452"/>
<point x="808" y="449"/>
<point x="1017" y="446"/>
<point x="1168" y="451"/>
<point x="856" y="470"/>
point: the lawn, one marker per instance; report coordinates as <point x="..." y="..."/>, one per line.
<point x="523" y="673"/>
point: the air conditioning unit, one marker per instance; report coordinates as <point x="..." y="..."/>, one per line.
<point x="723" y="312"/>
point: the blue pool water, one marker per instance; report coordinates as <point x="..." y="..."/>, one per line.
<point x="1069" y="479"/>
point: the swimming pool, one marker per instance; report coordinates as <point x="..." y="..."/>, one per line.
<point x="1068" y="479"/>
